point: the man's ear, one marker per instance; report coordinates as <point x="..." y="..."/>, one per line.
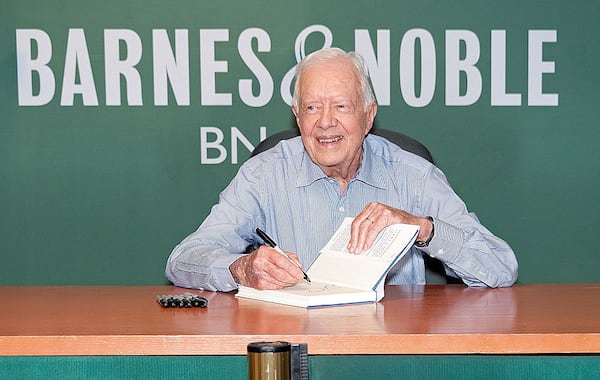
<point x="371" y="113"/>
<point x="295" y="112"/>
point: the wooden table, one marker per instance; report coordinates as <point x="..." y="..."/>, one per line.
<point x="436" y="319"/>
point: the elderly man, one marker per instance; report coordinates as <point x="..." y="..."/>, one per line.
<point x="300" y="191"/>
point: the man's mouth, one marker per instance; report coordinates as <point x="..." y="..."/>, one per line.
<point x="328" y="140"/>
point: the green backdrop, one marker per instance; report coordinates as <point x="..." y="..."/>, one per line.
<point x="93" y="192"/>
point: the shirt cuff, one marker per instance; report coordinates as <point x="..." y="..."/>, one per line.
<point x="224" y="281"/>
<point x="445" y="236"/>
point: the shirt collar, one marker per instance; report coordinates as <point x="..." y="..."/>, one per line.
<point x="370" y="172"/>
<point x="308" y="171"/>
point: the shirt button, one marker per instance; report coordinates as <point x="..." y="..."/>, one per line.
<point x="440" y="251"/>
<point x="342" y="209"/>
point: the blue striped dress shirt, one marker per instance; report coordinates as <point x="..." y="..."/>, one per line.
<point x="282" y="192"/>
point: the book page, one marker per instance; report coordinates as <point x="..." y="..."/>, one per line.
<point x="335" y="264"/>
<point x="316" y="288"/>
<point x="347" y="270"/>
<point x="309" y="294"/>
<point x="381" y="248"/>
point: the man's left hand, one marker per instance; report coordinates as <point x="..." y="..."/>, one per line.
<point x="374" y="218"/>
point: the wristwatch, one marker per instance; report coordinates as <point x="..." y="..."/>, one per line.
<point x="425" y="243"/>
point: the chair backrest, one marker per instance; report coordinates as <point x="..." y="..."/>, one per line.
<point x="434" y="269"/>
<point x="403" y="141"/>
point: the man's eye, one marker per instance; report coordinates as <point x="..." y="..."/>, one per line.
<point x="311" y="109"/>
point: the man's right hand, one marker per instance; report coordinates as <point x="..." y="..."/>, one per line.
<point x="266" y="268"/>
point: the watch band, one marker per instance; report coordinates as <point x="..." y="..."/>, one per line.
<point x="425" y="243"/>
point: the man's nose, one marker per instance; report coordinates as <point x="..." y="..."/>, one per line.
<point x="328" y="117"/>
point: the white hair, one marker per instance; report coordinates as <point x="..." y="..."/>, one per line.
<point x="336" y="54"/>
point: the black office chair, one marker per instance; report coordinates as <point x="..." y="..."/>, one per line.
<point x="434" y="269"/>
<point x="403" y="141"/>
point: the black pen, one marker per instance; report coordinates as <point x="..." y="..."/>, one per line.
<point x="271" y="243"/>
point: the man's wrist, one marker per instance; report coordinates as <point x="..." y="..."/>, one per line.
<point x="234" y="270"/>
<point x="422" y="243"/>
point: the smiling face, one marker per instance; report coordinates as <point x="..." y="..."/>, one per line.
<point x="332" y="117"/>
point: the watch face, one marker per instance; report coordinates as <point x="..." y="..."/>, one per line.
<point x="420" y="243"/>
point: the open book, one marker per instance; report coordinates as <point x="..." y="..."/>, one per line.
<point x="340" y="277"/>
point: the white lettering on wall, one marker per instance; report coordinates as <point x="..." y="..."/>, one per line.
<point x="300" y="51"/>
<point x="378" y="64"/>
<point x="210" y="66"/>
<point x="498" y="95"/>
<point x="212" y="150"/>
<point x="537" y="67"/>
<point x="265" y="81"/>
<point x="455" y="66"/>
<point x="77" y="61"/>
<point x="169" y="68"/>
<point x="170" y="61"/>
<point x="408" y="69"/>
<point x="27" y="65"/>
<point x="115" y="67"/>
<point x="214" y="144"/>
